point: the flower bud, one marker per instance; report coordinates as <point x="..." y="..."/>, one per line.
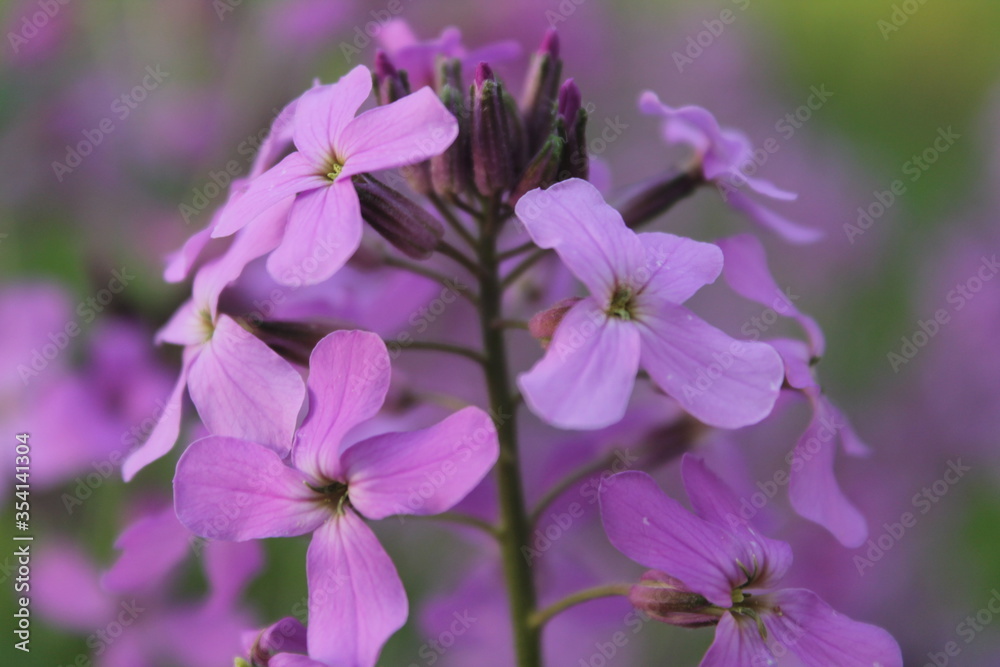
<point x="543" y="325"/>
<point x="543" y="170"/>
<point x="540" y="90"/>
<point x="667" y="600"/>
<point x="659" y="195"/>
<point x="496" y="134"/>
<point x="450" y="171"/>
<point x="400" y="220"/>
<point x="390" y="83"/>
<point x="573" y="119"/>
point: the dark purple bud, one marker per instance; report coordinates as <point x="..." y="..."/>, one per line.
<point x="400" y="220"/>
<point x="540" y="91"/>
<point x="286" y="636"/>
<point x="576" y="163"/>
<point x="543" y="170"/>
<point x="496" y="135"/>
<point x="543" y="325"/>
<point x="390" y="83"/>
<point x="667" y="600"/>
<point x="451" y="171"/>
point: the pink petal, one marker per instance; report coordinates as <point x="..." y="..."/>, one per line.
<point x="408" y="131"/>
<point x="590" y="237"/>
<point x="163" y="436"/>
<point x="356" y="600"/>
<point x="715" y="502"/>
<point x="179" y="263"/>
<point x="323" y="232"/>
<point x="151" y="547"/>
<point x="421" y="472"/>
<point x="292" y="175"/>
<point x="721" y="381"/>
<point x="65" y="589"/>
<point x="277" y="140"/>
<point x="747" y="273"/>
<point x="585" y="379"/>
<point x="813" y="489"/>
<point x="242" y="388"/>
<point x="768" y="189"/>
<point x="797" y="357"/>
<point x="737" y="644"/>
<point x="349" y="373"/>
<point x="810" y="629"/>
<point x="788" y="230"/>
<point x="323" y="113"/>
<point x="187" y="326"/>
<point x="229" y="569"/>
<point x="230" y="489"/>
<point x="678" y="267"/>
<point x="292" y="660"/>
<point x="656" y="531"/>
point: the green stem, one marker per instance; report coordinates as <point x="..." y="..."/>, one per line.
<point x="540" y="618"/>
<point x="464" y="520"/>
<point x="453" y="220"/>
<point x="437" y="277"/>
<point x="514" y="525"/>
<point x="447" y="348"/>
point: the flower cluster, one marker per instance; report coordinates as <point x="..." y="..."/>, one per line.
<point x="318" y="420"/>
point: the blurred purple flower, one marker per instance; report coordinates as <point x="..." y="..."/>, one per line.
<point x="634" y="318"/>
<point x="721" y="154"/>
<point x="731" y="569"/>
<point x="332" y="481"/>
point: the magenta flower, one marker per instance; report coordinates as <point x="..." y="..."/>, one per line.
<point x="420" y="58"/>
<point x="633" y="318"/>
<point x="721" y="153"/>
<point x="332" y="146"/>
<point x="232" y="489"/>
<point x="240" y="386"/>
<point x="715" y="566"/>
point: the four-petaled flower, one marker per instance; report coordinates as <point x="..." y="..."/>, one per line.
<point x="633" y="318"/>
<point x="332" y="146"/>
<point x="231" y="489"/>
<point x="714" y="564"/>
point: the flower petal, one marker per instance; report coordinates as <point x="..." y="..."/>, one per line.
<point x="765" y="217"/>
<point x="720" y="380"/>
<point x="242" y="388"/>
<point x="656" y="531"/>
<point x="229" y="568"/>
<point x="168" y="425"/>
<point x="589" y="236"/>
<point x="289" y="177"/>
<point x="585" y="379"/>
<point x="818" y="635"/>
<point x="150" y="548"/>
<point x="356" y="600"/>
<point x="679" y="267"/>
<point x="230" y="489"/>
<point x="421" y="472"/>
<point x="747" y="273"/>
<point x="737" y="644"/>
<point x="349" y="374"/>
<point x="714" y="501"/>
<point x="813" y="488"/>
<point x="323" y="232"/>
<point x="322" y="114"/>
<point x="408" y="131"/>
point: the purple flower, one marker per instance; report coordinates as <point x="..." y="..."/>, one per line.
<point x="721" y="153"/>
<point x="332" y="146"/>
<point x="419" y="59"/>
<point x="717" y="564"/>
<point x="232" y="489"/>
<point x="239" y="385"/>
<point x="633" y="318"/>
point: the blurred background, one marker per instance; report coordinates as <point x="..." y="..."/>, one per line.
<point x="121" y="123"/>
